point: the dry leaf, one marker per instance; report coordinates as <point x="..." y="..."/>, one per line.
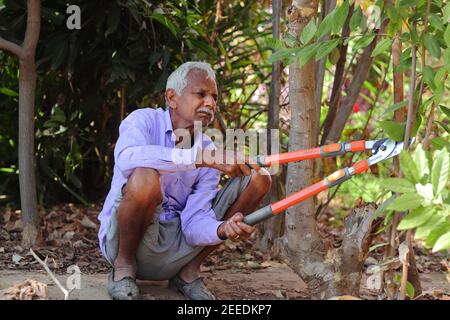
<point x="16" y="258"/>
<point x="278" y="294"/>
<point x="374" y="281"/>
<point x="87" y="223"/>
<point x="345" y="298"/>
<point x="27" y="290"/>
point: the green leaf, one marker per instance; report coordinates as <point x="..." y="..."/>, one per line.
<point x="355" y="20"/>
<point x="408" y="167"/>
<point x="443" y="125"/>
<point x="399" y="185"/>
<point x="416" y="218"/>
<point x="393" y="129"/>
<point x="363" y="42"/>
<point x="407" y="201"/>
<point x="428" y="76"/>
<point x="308" y="32"/>
<point x="446" y="15"/>
<point x="8" y="92"/>
<point x="339" y="17"/>
<point x="439" y="143"/>
<point x="410" y="292"/>
<point x="439" y="172"/>
<point x="395" y="107"/>
<point x="432" y="45"/>
<point x="166" y="22"/>
<point x="382" y="46"/>
<point x="306" y="53"/>
<point x="447" y="35"/>
<point x="445" y="110"/>
<point x="421" y="161"/>
<point x="407" y="3"/>
<point x="436" y="22"/>
<point x="442" y="243"/>
<point x="384" y="206"/>
<point x="436" y="233"/>
<point x="279" y="55"/>
<point x="326" y="47"/>
<point x="424" y="230"/>
<point x="326" y="25"/>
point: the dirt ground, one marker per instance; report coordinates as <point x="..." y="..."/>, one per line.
<point x="235" y="271"/>
<point x="274" y="282"/>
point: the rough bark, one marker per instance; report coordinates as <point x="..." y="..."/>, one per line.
<point x="27" y="88"/>
<point x="304" y="246"/>
<point x="327" y="271"/>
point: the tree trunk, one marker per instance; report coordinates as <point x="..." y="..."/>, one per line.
<point x="304" y="247"/>
<point x="27" y="181"/>
<point x="271" y="230"/>
<point x="327" y="271"/>
<point x="27" y="89"/>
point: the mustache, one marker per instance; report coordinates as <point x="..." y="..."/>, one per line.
<point x="206" y="110"/>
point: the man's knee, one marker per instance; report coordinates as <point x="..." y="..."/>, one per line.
<point x="143" y="186"/>
<point x="260" y="182"/>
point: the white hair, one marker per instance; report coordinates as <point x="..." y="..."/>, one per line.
<point x="178" y="79"/>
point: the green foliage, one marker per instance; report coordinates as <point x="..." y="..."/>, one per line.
<point x="425" y="191"/>
<point x="124" y="50"/>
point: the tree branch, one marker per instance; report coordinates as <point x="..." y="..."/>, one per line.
<point x="33" y="27"/>
<point x="11" y="47"/>
<point x="354" y="89"/>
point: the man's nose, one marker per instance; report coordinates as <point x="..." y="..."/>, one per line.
<point x="210" y="101"/>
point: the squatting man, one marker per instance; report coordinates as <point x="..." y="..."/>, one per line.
<point x="165" y="213"/>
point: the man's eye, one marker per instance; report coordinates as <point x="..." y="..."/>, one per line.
<point x="201" y="94"/>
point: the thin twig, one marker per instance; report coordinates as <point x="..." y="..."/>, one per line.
<point x="405" y="267"/>
<point x="50" y="273"/>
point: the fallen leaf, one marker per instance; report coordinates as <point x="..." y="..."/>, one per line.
<point x="345" y="298"/>
<point x="27" y="290"/>
<point x="87" y="223"/>
<point x="69" y="235"/>
<point x="278" y="294"/>
<point x="374" y="281"/>
<point x="16" y="258"/>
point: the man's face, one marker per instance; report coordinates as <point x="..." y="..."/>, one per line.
<point x="197" y="101"/>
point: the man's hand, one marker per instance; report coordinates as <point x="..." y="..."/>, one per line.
<point x="234" y="229"/>
<point x="233" y="164"/>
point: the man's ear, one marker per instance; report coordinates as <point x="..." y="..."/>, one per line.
<point x="171" y="98"/>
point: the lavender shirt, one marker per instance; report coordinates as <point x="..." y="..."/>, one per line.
<point x="146" y="139"/>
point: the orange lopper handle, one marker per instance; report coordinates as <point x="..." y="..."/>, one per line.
<point x="332" y="180"/>
<point x="330" y="150"/>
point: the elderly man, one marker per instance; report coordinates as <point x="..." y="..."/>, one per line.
<point x="164" y="213"/>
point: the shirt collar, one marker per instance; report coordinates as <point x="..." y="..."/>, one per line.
<point x="169" y="128"/>
<point x="168" y="121"/>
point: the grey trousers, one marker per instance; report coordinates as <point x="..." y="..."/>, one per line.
<point x="163" y="250"/>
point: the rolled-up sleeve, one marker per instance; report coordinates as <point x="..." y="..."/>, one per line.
<point x="135" y="148"/>
<point x="198" y="220"/>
